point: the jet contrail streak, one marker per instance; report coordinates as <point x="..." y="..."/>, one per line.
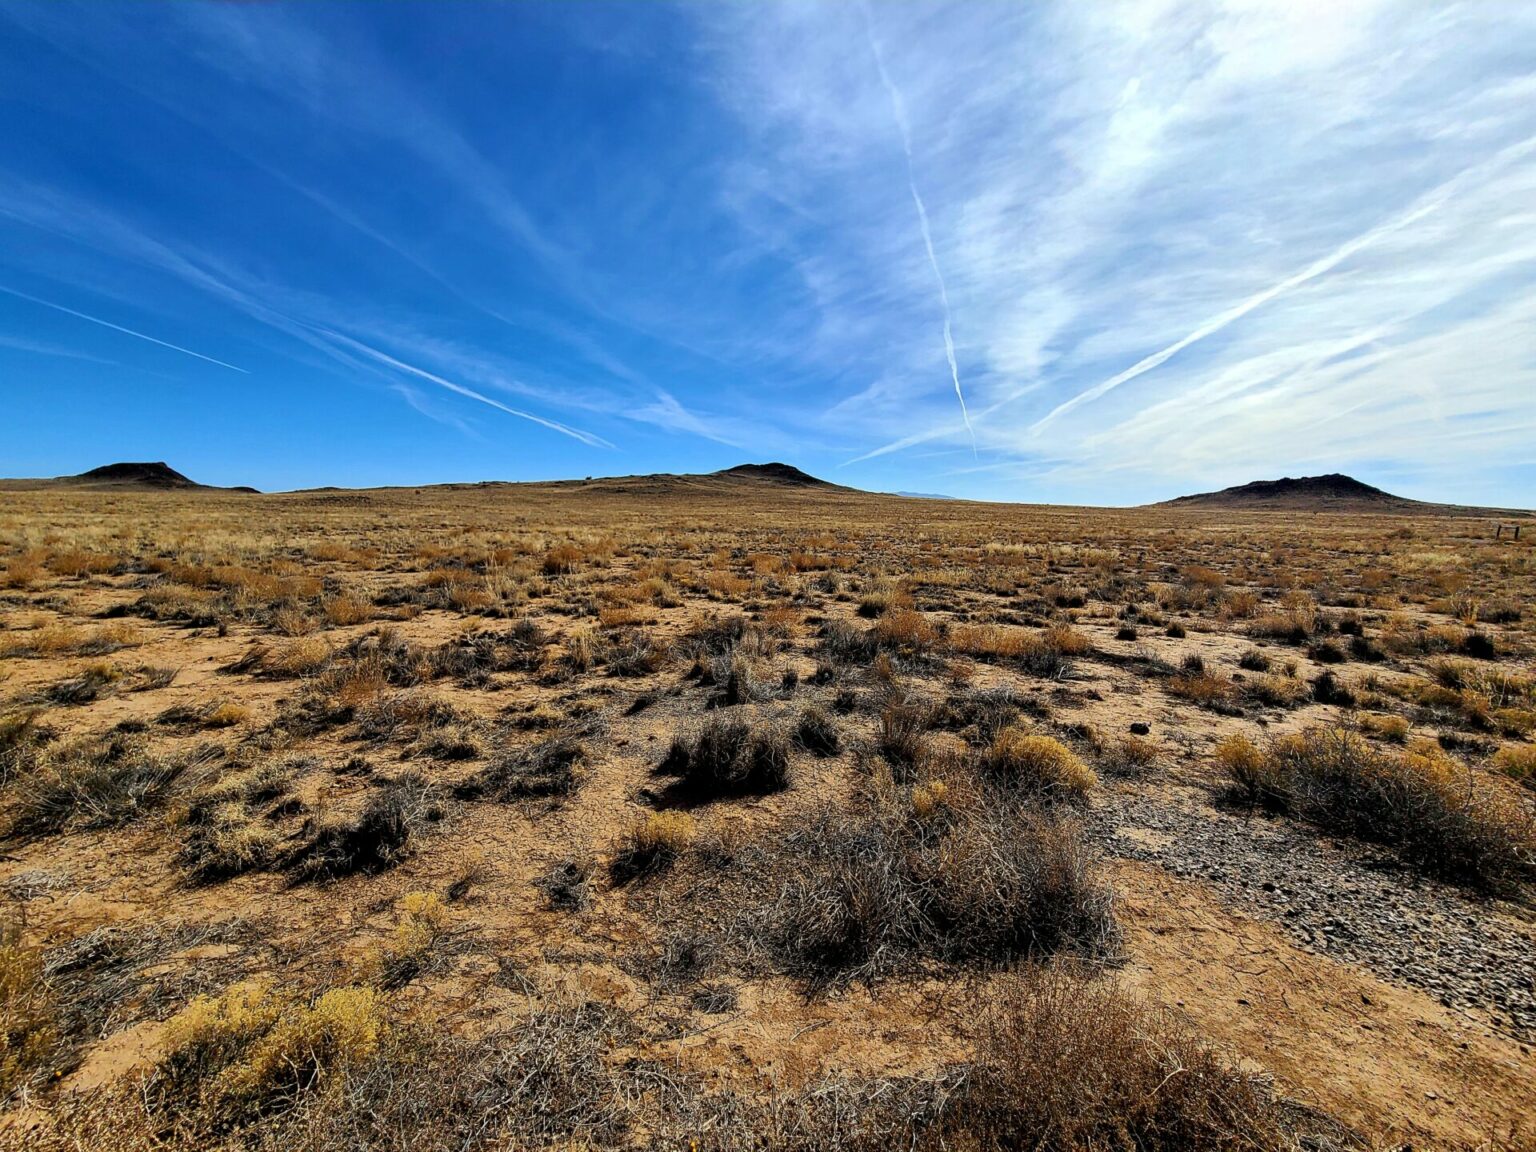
<point x="120" y="328"/>
<point x="587" y="438"/>
<point x="899" y="113"/>
<point x="1427" y="204"/>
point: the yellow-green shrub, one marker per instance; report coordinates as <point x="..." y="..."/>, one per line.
<point x="1038" y="763"/>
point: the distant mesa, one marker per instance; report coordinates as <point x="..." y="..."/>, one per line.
<point x="774" y="473"/>
<point x="1334" y="491"/>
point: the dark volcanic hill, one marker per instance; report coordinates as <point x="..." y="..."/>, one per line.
<point x="1334" y="491"/>
<point x="154" y="475"/>
<point x="774" y="473"/>
<point x="158" y="474"/>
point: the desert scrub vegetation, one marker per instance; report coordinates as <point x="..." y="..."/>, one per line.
<point x="55" y="640"/>
<point x="91" y="782"/>
<point x="1438" y="815"/>
<point x="1065" y="1062"/>
<point x="1127" y="757"/>
<point x="29" y="1017"/>
<point x="248" y="1051"/>
<point x="936" y="873"/>
<point x="1046" y="653"/>
<point x="951" y="670"/>
<point x="817" y="732"/>
<point x="1518" y="762"/>
<point x="227" y="827"/>
<point x="1038" y="765"/>
<point x="652" y="843"/>
<point x="382" y="833"/>
<point x="1058" y="1061"/>
<point x="421" y="928"/>
<point x="550" y="769"/>
<point x="726" y="756"/>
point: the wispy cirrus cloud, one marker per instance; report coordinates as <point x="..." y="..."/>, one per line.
<point x="1095" y="251"/>
<point x="103" y="230"/>
<point x="1154" y="217"/>
<point x="899" y="114"/>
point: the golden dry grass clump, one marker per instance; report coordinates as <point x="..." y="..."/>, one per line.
<point x="249" y="1048"/>
<point x="1038" y="763"/>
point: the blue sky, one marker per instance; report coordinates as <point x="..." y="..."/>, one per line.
<point x="1105" y="252"/>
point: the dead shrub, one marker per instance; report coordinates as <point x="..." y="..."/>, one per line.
<point x="818" y="733"/>
<point x="565" y="884"/>
<point x="93" y="784"/>
<point x="1065" y="1061"/>
<point x="30" y="1025"/>
<point x="652" y="844"/>
<point x="1128" y="757"/>
<point x="843" y="642"/>
<point x="225" y="830"/>
<point x="552" y="769"/>
<point x="869" y="891"/>
<point x="21" y="741"/>
<point x="635" y="653"/>
<point x="1253" y="660"/>
<point x="902" y="738"/>
<point x="729" y="757"/>
<point x="378" y="837"/>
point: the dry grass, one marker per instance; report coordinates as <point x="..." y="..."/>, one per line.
<point x="1038" y="764"/>
<point x="29" y="1016"/>
<point x="1518" y="762"/>
<point x="1435" y="813"/>
<point x="1068" y="1063"/>
<point x="438" y="781"/>
<point x="652" y="843"/>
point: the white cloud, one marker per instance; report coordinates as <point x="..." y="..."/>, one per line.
<point x="1105" y="181"/>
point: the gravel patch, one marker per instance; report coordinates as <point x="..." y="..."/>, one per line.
<point x="1350" y="902"/>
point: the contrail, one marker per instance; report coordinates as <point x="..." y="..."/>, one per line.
<point x="1427" y="204"/>
<point x="587" y="438"/>
<point x="899" y="113"/>
<point x="120" y="328"/>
